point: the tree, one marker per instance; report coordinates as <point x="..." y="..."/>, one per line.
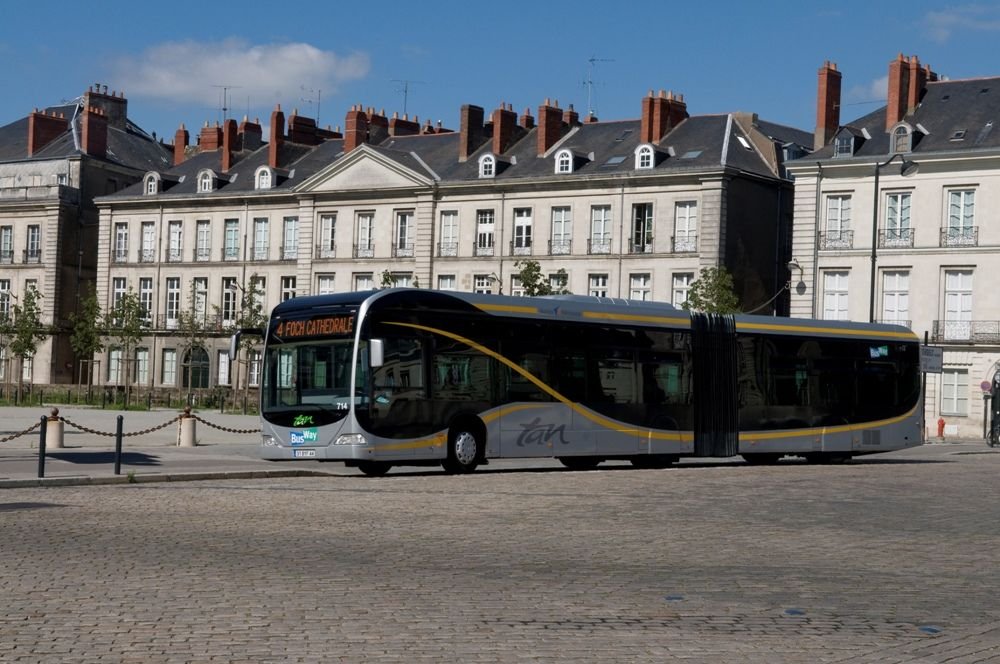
<point x="250" y="316"/>
<point x="86" y="337"/>
<point x="388" y="280"/>
<point x="26" y="330"/>
<point x="534" y="283"/>
<point x="125" y="327"/>
<point x="192" y="328"/>
<point x="712" y="292"/>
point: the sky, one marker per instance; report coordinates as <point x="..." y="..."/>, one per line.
<point x="192" y="63"/>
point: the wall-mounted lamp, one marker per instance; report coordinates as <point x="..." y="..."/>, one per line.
<point x="800" y="286"/>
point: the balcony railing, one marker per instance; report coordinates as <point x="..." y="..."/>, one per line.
<point x="560" y="247"/>
<point x="904" y="323"/>
<point x="6" y="257"/>
<point x="836" y="240"/>
<point x="208" y="321"/>
<point x="960" y="237"/>
<point x="290" y="253"/>
<point x="147" y="255"/>
<point x="900" y="238"/>
<point x="684" y="244"/>
<point x="520" y="247"/>
<point x="259" y="252"/>
<point x="364" y="250"/>
<point x="402" y="250"/>
<point x="447" y="248"/>
<point x="32" y="255"/>
<point x="328" y="250"/>
<point x="119" y="255"/>
<point x="482" y="250"/>
<point x="174" y="255"/>
<point x="640" y="248"/>
<point x="966" y="331"/>
<point x="202" y="254"/>
<point x="599" y="246"/>
<point x="231" y="253"/>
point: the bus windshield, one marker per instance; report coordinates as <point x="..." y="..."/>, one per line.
<point x="309" y="378"/>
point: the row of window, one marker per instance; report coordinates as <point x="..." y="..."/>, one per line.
<point x="7" y="295"/>
<point x="32" y="250"/>
<point x="567" y="161"/>
<point x="189" y="368"/>
<point x="896" y="229"/>
<point x="560" y="241"/>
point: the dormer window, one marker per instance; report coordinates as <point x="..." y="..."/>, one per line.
<point x="152" y="186"/>
<point x="487" y="166"/>
<point x="644" y="157"/>
<point x="844" y="145"/>
<point x="263" y="178"/>
<point x="901" y="139"/>
<point x="205" y="181"/>
<point x="564" y="162"/>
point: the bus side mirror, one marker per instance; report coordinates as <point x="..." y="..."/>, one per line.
<point x="376" y="356"/>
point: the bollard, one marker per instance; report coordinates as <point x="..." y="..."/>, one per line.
<point x="118" y="445"/>
<point x="187" y="431"/>
<point x="55" y="430"/>
<point x="41" y="448"/>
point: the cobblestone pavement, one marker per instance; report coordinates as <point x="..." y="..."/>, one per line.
<point x="887" y="559"/>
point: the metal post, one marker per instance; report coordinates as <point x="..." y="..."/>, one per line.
<point x="923" y="396"/>
<point x="871" y="308"/>
<point x="118" y="446"/>
<point x="41" y="447"/>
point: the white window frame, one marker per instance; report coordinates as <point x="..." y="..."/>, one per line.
<point x="487" y="166"/>
<point x="896" y="297"/>
<point x="958" y="304"/>
<point x="447" y="282"/>
<point x="597" y="285"/>
<point x="685" y="226"/>
<point x="600" y="229"/>
<point x="482" y="283"/>
<point x="121" y="242"/>
<point x="562" y="230"/>
<point x="287" y="288"/>
<point x="449" y="233"/>
<point x="523" y="221"/>
<point x="326" y="284"/>
<point x="172" y="309"/>
<point x="261" y="239"/>
<point x="680" y="288"/>
<point x="148" y="242"/>
<point x="203" y="240"/>
<point x="205" y="182"/>
<point x="141" y="376"/>
<point x="897" y="218"/>
<point x="263" y="178"/>
<point x="231" y="231"/>
<point x="644" y="157"/>
<point x="564" y="162"/>
<point x="168" y="367"/>
<point x="146" y="298"/>
<point x="836" y="305"/>
<point x="175" y="243"/>
<point x="955" y="392"/>
<point x="223" y="367"/>
<point x="290" y="242"/>
<point x="364" y="281"/>
<point x="229" y="300"/>
<point x="403" y="242"/>
<point x="327" y="235"/>
<point x="640" y="286"/>
<point x="152" y="185"/>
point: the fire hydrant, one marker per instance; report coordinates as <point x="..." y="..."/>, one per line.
<point x="940" y="427"/>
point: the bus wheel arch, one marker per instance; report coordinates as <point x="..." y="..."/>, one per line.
<point x="374" y="468"/>
<point x="466" y="445"/>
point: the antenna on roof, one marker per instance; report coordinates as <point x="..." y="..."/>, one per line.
<point x="405" y="89"/>
<point x="308" y="100"/>
<point x="224" y="102"/>
<point x="589" y="82"/>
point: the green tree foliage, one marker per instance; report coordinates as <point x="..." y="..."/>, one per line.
<point x="712" y="292"/>
<point x="87" y="324"/>
<point x="26" y="329"/>
<point x="124" y="327"/>
<point x="535" y="283"/>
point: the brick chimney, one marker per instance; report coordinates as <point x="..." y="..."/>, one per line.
<point x="94" y="132"/>
<point x="919" y="77"/>
<point x="899" y="84"/>
<point x="471" y="130"/>
<point x="504" y="124"/>
<point x="549" y="126"/>
<point x="210" y="137"/>
<point x="355" y="128"/>
<point x="646" y="124"/>
<point x="404" y="126"/>
<point x="378" y="126"/>
<point x="570" y="117"/>
<point x="590" y="119"/>
<point x="43" y="129"/>
<point x="250" y="135"/>
<point x="827" y="104"/>
<point x="181" y="140"/>
<point x="527" y="120"/>
<point x="114" y="105"/>
<point x="277" y="136"/>
<point x="302" y="129"/>
<point x="229" y="144"/>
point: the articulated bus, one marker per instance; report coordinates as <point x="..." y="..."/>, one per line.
<point x="416" y="377"/>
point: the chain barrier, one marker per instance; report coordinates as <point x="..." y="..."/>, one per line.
<point x="124" y="435"/>
<point x="22" y="433"/>
<point x="226" y="429"/>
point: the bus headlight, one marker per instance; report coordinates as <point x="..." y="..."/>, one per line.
<point x="268" y="440"/>
<point x="350" y="439"/>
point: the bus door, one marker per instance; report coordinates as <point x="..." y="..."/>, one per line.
<point x="614" y="396"/>
<point x="533" y="422"/>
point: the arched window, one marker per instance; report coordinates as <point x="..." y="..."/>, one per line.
<point x="152" y="186"/>
<point x="205" y="181"/>
<point x="564" y="162"/>
<point x="263" y="178"/>
<point x="487" y="166"/>
<point x="901" y="139"/>
<point x="644" y="157"/>
<point x="195" y="368"/>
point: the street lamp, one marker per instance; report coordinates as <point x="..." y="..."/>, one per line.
<point x="906" y="169"/>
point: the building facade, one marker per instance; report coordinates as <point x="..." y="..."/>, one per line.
<point x="895" y="222"/>
<point x="627" y="209"/>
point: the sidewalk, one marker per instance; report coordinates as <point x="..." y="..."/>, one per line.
<point x="88" y="457"/>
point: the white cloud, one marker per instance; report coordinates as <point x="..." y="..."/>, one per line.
<point x="875" y="91"/>
<point x="940" y="26"/>
<point x="190" y="72"/>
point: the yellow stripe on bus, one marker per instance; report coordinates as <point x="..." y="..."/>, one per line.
<point x="510" y="308"/>
<point x="637" y="318"/>
<point x="836" y="331"/>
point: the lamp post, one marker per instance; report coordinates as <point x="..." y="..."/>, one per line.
<point x="906" y="169"/>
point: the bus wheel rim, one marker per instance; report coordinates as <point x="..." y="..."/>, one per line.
<point x="465" y="448"/>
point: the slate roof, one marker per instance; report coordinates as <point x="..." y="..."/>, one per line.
<point x="946" y="107"/>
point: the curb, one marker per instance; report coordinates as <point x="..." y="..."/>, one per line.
<point x="169" y="477"/>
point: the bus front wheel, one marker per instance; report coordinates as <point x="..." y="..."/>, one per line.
<point x="464" y="451"/>
<point x="374" y="468"/>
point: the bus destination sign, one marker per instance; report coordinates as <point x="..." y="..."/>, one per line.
<point x="326" y="326"/>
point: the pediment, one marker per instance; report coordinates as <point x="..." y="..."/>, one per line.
<point x="364" y="170"/>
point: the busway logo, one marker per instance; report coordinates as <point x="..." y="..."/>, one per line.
<point x="304" y="437"/>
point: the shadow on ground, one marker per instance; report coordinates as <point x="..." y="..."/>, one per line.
<point x="106" y="457"/>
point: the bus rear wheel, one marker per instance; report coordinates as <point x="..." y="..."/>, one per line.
<point x="580" y="462"/>
<point x="374" y="468"/>
<point x="464" y="451"/>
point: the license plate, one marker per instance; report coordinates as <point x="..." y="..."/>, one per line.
<point x="300" y="454"/>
